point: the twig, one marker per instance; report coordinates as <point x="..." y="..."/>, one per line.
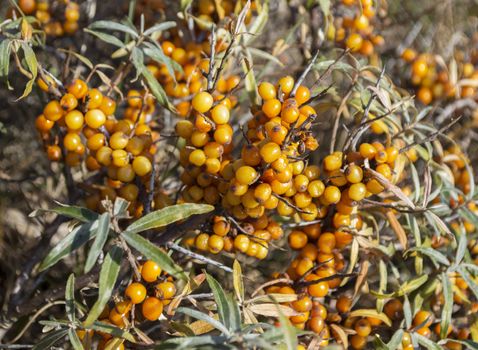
<point x="304" y="74"/>
<point x="199" y="257"/>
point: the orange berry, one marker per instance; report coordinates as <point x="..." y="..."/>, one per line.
<point x="150" y="271"/>
<point x="152" y="308"/>
<point x="136" y="292"/>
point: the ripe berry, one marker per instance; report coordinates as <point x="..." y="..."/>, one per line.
<point x="246" y="175"/>
<point x="271" y="108"/>
<point x="96" y="141"/>
<point x="68" y="102"/>
<point x="202" y="102"/>
<point x="43" y="124"/>
<point x="267" y="91"/>
<point x="78" y="88"/>
<point x="270" y="152"/>
<point x="136" y="292"/>
<point x="297" y="240"/>
<point x="152" y="308"/>
<point x="125" y="174"/>
<point x="53" y="111"/>
<point x="150" y="271"/>
<point x="215" y="244"/>
<point x="71" y="141"/>
<point x="357" y="191"/>
<point x="74" y="120"/>
<point x="166" y="291"/>
<point x="354" y="42"/>
<point x="141" y="165"/>
<point x="54" y="153"/>
<point x="93" y="99"/>
<point x="286" y="84"/>
<point x="331" y="194"/>
<point x="95" y="118"/>
<point x="220" y="114"/>
<point x="120" y="158"/>
<point x="241" y="243"/>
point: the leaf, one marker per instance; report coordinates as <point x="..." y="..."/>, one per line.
<point x="427" y="343"/>
<point x="234" y="313"/>
<point x="469" y="280"/>
<point x="371" y="313"/>
<point x="447" y="307"/>
<point x="108" y="275"/>
<point x="289" y="332"/>
<point x="71" y="242"/>
<point x="433" y="254"/>
<point x="168" y="215"/>
<point x="185" y="4"/>
<point x="112" y="330"/>
<point x="110" y="25"/>
<point x="237" y="280"/>
<point x="160" y="27"/>
<point x="273" y="310"/>
<point x="183" y="328"/>
<point x="81" y="58"/>
<point x="221" y="301"/>
<point x="5" y="48"/>
<point x="107" y="38"/>
<point x="32" y="65"/>
<point x="157" y="90"/>
<point x="397" y="228"/>
<point x="396" y="340"/>
<point x="74" y="339"/>
<point x="50" y="339"/>
<point x="70" y="298"/>
<point x="71" y="211"/>
<point x="99" y="242"/>
<point x="265" y="55"/>
<point x="137" y="57"/>
<point x="114" y="344"/>
<point x="250" y="80"/>
<point x="204" y="317"/>
<point x="461" y="249"/>
<point x="154" y="253"/>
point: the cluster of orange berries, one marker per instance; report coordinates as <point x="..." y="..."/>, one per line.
<point x="56" y="18"/>
<point x="432" y="80"/>
<point x="150" y="295"/>
<point x="210" y="10"/>
<point x="88" y="133"/>
<point x="253" y="239"/>
<point x="357" y="32"/>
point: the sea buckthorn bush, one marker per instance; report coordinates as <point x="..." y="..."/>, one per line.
<point x="238" y="174"/>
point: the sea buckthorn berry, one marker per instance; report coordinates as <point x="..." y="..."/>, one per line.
<point x="423" y="318"/>
<point x="152" y="308"/>
<point x="394" y="309"/>
<point x="361" y="22"/>
<point x="71" y="141"/>
<point x="96" y="141"/>
<point x="136" y="292"/>
<point x="223" y="134"/>
<point x="367" y="150"/>
<point x="184" y="129"/>
<point x="270" y="152"/>
<point x="408" y="55"/>
<point x="118" y="140"/>
<point x="74" y="120"/>
<point x="68" y="102"/>
<point x="93" y="99"/>
<point x="53" y="111"/>
<point x="120" y="157"/>
<point x="271" y="108"/>
<point x="166" y="291"/>
<point x="142" y="165"/>
<point x="354" y="173"/>
<point x="354" y="42"/>
<point x="363" y="328"/>
<point x="246" y="175"/>
<point x="201" y="241"/>
<point x="221" y="227"/>
<point x="267" y="91"/>
<point x="331" y="194"/>
<point x="357" y="342"/>
<point x="316" y="188"/>
<point x="103" y="155"/>
<point x="126" y="173"/>
<point x="357" y="191"/>
<point x="344" y="303"/>
<point x="95" y="118"/>
<point x="78" y="88"/>
<point x="150" y="271"/>
<point x="312" y="172"/>
<point x="374" y="187"/>
<point x="420" y="68"/>
<point x="197" y="157"/>
<point x="135" y="99"/>
<point x="302" y="95"/>
<point x="241" y="243"/>
<point x="215" y="244"/>
<point x="392" y="154"/>
<point x="250" y="155"/>
<point x="326" y="242"/>
<point x="43" y="124"/>
<point x="108" y="106"/>
<point x="318" y="289"/>
<point x="220" y="114"/>
<point x="202" y="102"/>
<point x="286" y="84"/>
<point x="129" y="192"/>
<point x="53" y="153"/>
<point x="316" y="324"/>
<point x="297" y="239"/>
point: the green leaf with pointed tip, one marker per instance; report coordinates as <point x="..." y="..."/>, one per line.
<point x="112" y="330"/>
<point x="71" y="211"/>
<point x="110" y="25"/>
<point x="427" y="343"/>
<point x="204" y="317"/>
<point x="221" y="301"/>
<point x="107" y="38"/>
<point x="5" y="49"/>
<point x="99" y="242"/>
<point x="168" y="215"/>
<point x="396" y="340"/>
<point x="32" y="64"/>
<point x="160" y="27"/>
<point x="157" y="90"/>
<point x="71" y="242"/>
<point x="469" y="280"/>
<point x="154" y="253"/>
<point x="448" y="305"/>
<point x="108" y="275"/>
<point x="50" y="339"/>
<point x="70" y="298"/>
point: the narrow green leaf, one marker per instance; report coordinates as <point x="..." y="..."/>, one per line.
<point x="110" y="25"/>
<point x="74" y="339"/>
<point x="32" y="65"/>
<point x="234" y="313"/>
<point x="427" y="343"/>
<point x="469" y="280"/>
<point x="50" y="339"/>
<point x="204" y="317"/>
<point x="5" y="48"/>
<point x="461" y="249"/>
<point x="237" y="280"/>
<point x="447" y="307"/>
<point x="71" y="242"/>
<point x="221" y="301"/>
<point x="137" y="57"/>
<point x="71" y="211"/>
<point x="154" y="253"/>
<point x="160" y="27"/>
<point x="107" y="38"/>
<point x="70" y="298"/>
<point x="80" y="58"/>
<point x="112" y="330"/>
<point x="168" y="215"/>
<point x="99" y="242"/>
<point x="185" y="4"/>
<point x="157" y="90"/>
<point x="433" y="254"/>
<point x="396" y="340"/>
<point x="108" y="275"/>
